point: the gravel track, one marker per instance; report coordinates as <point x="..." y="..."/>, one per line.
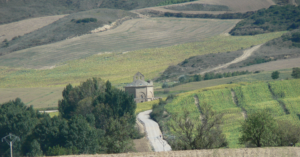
<point x="153" y="132"/>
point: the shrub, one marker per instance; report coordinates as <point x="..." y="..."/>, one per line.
<point x="296" y="73"/>
<point x="275" y="75"/>
<point x="85" y="20"/>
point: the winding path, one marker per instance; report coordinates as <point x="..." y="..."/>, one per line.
<point x="247" y="53"/>
<point x="153" y="132"/>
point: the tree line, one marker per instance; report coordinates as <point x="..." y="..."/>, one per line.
<point x="207" y="76"/>
<point x="210" y="16"/>
<point x="275" y="18"/>
<point x="94" y="117"/>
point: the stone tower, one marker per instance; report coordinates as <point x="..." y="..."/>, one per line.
<point x="140" y="89"/>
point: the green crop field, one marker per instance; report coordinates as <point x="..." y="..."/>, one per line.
<point x="257" y="96"/>
<point x="222" y="102"/>
<point x="251" y="96"/>
<point x="185" y="101"/>
<point x="288" y="91"/>
<point x="120" y="67"/>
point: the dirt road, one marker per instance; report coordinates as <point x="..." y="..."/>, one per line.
<point x="247" y="53"/>
<point x="153" y="132"/>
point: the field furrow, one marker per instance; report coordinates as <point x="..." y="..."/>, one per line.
<point x="222" y="102"/>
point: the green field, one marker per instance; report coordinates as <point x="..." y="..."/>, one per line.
<point x="254" y="97"/>
<point x="47" y="97"/>
<point x="119" y="67"/>
<point x="288" y="92"/>
<point x="251" y="97"/>
<point x="222" y="102"/>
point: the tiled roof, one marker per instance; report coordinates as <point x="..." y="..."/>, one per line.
<point x="138" y="83"/>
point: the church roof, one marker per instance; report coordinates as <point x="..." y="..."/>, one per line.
<point x="138" y="83"/>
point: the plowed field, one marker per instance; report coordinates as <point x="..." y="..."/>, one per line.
<point x="8" y="31"/>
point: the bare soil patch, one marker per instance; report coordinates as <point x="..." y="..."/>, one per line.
<point x="142" y="145"/>
<point x="8" y="31"/>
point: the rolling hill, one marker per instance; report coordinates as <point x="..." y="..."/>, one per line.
<point x="66" y="27"/>
<point x="132" y="35"/>
<point x="15" y="10"/>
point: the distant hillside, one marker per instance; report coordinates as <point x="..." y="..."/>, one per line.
<point x="285" y="47"/>
<point x="67" y="27"/>
<point x="15" y="10"/>
<point x="275" y="18"/>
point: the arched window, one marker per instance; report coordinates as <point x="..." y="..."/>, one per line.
<point x="142" y="96"/>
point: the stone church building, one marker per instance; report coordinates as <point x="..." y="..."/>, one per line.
<point x="141" y="90"/>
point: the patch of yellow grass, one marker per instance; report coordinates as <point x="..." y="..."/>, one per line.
<point x="146" y="106"/>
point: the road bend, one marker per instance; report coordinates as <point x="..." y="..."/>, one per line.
<point x="153" y="132"/>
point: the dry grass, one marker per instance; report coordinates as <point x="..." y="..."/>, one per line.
<point x="38" y="97"/>
<point x="243" y="152"/>
<point x="234" y="5"/>
<point x="132" y="35"/>
<point x="8" y="31"/>
<point x="270" y="66"/>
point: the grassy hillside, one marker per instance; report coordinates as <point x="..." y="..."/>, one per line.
<point x="15" y="10"/>
<point x="275" y="18"/>
<point x="119" y="67"/>
<point x="66" y="27"/>
<point x="132" y="35"/>
<point x="235" y="101"/>
<point x="285" y="47"/>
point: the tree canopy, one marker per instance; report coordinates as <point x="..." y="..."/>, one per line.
<point x="94" y="118"/>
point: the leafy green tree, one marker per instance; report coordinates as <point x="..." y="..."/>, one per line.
<point x="82" y="136"/>
<point x="296" y="73"/>
<point x="118" y="135"/>
<point x="288" y="133"/>
<point x="165" y="85"/>
<point x="50" y="132"/>
<point x="77" y="100"/>
<point x="259" y="129"/>
<point x="190" y="134"/>
<point x="20" y="120"/>
<point x="35" y="149"/>
<point x="197" y="77"/>
<point x="275" y="75"/>
<point x="182" y="79"/>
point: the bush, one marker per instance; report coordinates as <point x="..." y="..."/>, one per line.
<point x="57" y="151"/>
<point x="296" y="73"/>
<point x="165" y="85"/>
<point x="275" y="75"/>
<point x="259" y="129"/>
<point x="85" y="20"/>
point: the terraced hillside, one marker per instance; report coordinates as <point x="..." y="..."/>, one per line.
<point x="235" y="101"/>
